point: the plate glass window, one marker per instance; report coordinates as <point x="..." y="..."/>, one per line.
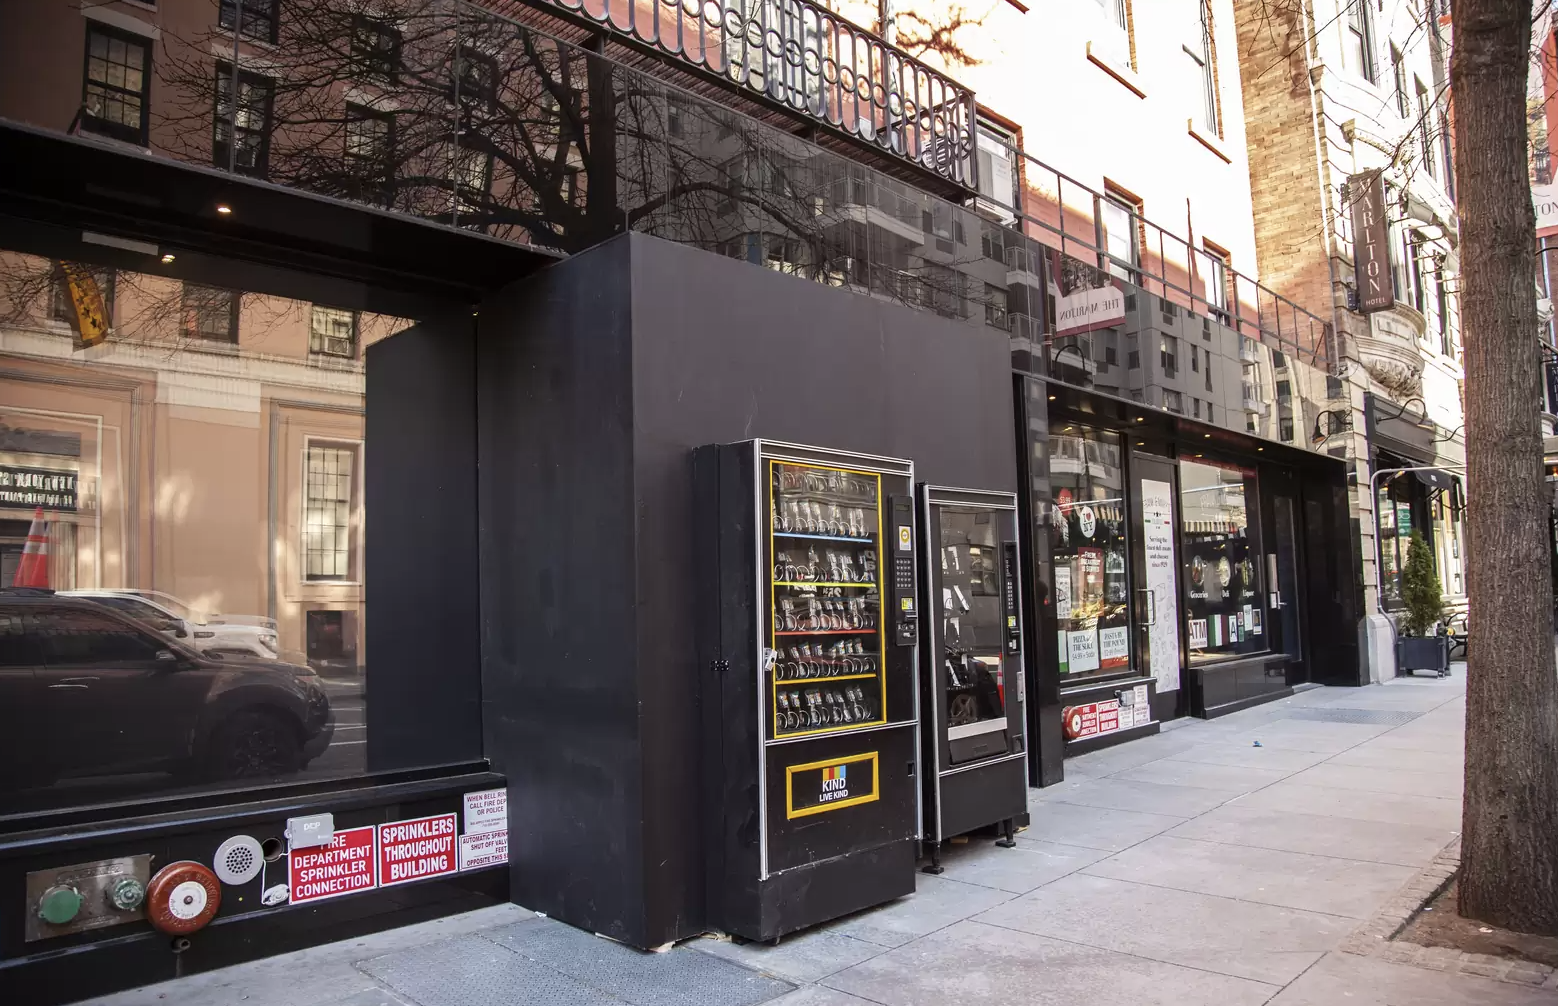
<point x="1224" y="569"/>
<point x="1088" y="543"/>
<point x="971" y="629"/>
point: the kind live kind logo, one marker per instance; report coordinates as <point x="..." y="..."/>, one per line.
<point x="835" y="783"/>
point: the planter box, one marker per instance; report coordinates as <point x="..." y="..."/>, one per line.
<point x="1423" y="653"/>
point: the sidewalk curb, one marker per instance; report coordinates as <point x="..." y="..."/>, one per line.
<point x="1377" y="937"/>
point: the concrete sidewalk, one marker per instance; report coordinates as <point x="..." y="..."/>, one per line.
<point x="1219" y="862"/>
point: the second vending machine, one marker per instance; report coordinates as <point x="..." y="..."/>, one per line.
<point x="808" y="644"/>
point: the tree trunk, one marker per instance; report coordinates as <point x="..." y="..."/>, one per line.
<point x="1509" y="855"/>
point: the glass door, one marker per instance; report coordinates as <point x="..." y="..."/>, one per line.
<point x="1155" y="601"/>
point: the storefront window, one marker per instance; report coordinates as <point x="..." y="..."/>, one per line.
<point x="1402" y="507"/>
<point x="183" y="496"/>
<point x="1089" y="547"/>
<point x="1223" y="568"/>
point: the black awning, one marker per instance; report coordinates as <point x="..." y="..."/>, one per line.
<point x="69" y="181"/>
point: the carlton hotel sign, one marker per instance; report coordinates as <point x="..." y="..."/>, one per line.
<point x="49" y="488"/>
<point x="1371" y="243"/>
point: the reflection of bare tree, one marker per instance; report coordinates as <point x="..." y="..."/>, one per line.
<point x="452" y="114"/>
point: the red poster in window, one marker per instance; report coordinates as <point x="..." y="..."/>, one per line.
<point x="416" y="849"/>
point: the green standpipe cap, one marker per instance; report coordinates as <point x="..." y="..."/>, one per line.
<point x="126" y="894"/>
<point x="59" y="905"/>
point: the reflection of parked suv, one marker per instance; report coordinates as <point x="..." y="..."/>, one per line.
<point x="237" y="635"/>
<point x="85" y="690"/>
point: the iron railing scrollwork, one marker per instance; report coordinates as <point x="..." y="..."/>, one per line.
<point x="801" y="55"/>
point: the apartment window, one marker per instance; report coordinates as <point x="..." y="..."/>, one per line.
<point x="1174" y="402"/>
<point x="995" y="307"/>
<point x="1284" y="393"/>
<point x="210" y="313"/>
<point x="329" y="500"/>
<point x="1398" y="74"/>
<point x="1448" y="154"/>
<point x="117" y="87"/>
<point x="332" y="332"/>
<point x="1215" y="270"/>
<point x="375" y="49"/>
<point x="996" y="152"/>
<point x="1201" y="51"/>
<point x="1359" y="39"/>
<point x="1168" y="355"/>
<point x="1414" y="250"/>
<point x="370" y="137"/>
<point x="470" y="178"/>
<point x="1425" y="138"/>
<point x="254" y="19"/>
<point x="63" y="308"/>
<point x="1442" y="312"/>
<point x="475" y="76"/>
<point x="1122" y="234"/>
<point x="249" y="122"/>
<point x="1333" y="387"/>
<point x="1116" y="40"/>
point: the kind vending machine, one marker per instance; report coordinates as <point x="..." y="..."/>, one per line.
<point x="808" y="640"/>
<point x="975" y="727"/>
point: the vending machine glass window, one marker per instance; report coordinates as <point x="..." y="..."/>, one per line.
<point x="825" y="532"/>
<point x="974" y="739"/>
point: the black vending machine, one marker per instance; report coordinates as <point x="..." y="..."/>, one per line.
<point x="808" y="638"/>
<point x="973" y="691"/>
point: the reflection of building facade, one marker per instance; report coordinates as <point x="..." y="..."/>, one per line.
<point x="215" y="441"/>
<point x="1370" y="102"/>
<point x="568" y="231"/>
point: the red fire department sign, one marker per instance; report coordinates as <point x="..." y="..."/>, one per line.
<point x="345" y="866"/>
<point x="417" y="849"/>
<point x="1092" y="719"/>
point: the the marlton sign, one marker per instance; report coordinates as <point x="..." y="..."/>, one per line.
<point x="1371" y="243"/>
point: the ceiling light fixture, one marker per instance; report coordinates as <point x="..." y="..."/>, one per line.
<point x="167" y="257"/>
<point x="223" y="209"/>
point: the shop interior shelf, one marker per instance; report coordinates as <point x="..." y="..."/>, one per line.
<point x="819" y="537"/>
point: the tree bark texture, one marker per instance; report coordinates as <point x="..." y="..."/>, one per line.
<point x="1509" y="856"/>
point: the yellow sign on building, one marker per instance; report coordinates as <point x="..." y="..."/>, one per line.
<point x="90" y="315"/>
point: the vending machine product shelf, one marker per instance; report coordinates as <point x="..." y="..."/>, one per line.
<point x="808" y="639"/>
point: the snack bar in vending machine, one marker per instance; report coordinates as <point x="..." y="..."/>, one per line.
<point x="808" y="643"/>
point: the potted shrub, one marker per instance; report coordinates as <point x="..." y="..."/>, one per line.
<point x="1420" y="646"/>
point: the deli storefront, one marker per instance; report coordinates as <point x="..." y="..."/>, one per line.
<point x="1178" y="560"/>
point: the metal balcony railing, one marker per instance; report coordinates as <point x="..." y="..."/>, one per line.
<point x="1073" y="220"/>
<point x="800" y="56"/>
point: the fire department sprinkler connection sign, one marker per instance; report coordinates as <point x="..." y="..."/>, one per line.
<point x="416" y="850"/>
<point x="344" y="866"/>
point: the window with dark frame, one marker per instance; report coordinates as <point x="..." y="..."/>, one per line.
<point x="210" y="313"/>
<point x="329" y="502"/>
<point x="63" y="308"/>
<point x="116" y="85"/>
<point x="995" y="307"/>
<point x="1442" y="313"/>
<point x="250" y="122"/>
<point x="475" y="76"/>
<point x="375" y="49"/>
<point x="255" y="19"/>
<point x="1360" y="39"/>
<point x="370" y="138"/>
<point x="1218" y="267"/>
<point x="332" y="332"/>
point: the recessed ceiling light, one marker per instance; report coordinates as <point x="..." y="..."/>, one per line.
<point x="167" y="257"/>
<point x="223" y="209"/>
<point x="1206" y="436"/>
<point x="1052" y="398"/>
<point x="1141" y="419"/>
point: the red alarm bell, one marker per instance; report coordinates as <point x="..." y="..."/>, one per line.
<point x="182" y="898"/>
